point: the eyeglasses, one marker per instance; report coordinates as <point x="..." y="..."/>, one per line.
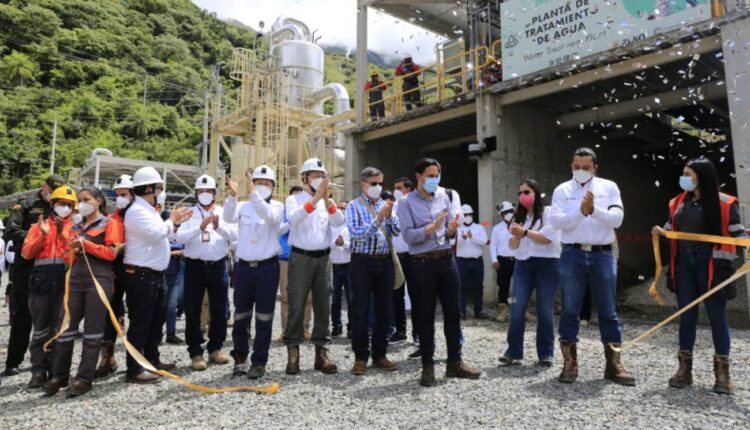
<point x="375" y="184"/>
<point x="525" y="192"/>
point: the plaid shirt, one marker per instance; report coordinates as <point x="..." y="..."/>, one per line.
<point x="366" y="235"/>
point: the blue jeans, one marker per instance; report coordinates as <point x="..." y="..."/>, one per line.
<point x="542" y="274"/>
<point x="341" y="281"/>
<point x="580" y="270"/>
<point x="372" y="284"/>
<point x="691" y="281"/>
<point x="175" y="288"/>
<point x="199" y="278"/>
<point x="471" y="271"/>
<point x="254" y="289"/>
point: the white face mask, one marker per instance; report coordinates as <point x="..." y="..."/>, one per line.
<point x="85" y="209"/>
<point x="373" y="192"/>
<point x="508" y="217"/>
<point x="468" y="219"/>
<point x="161" y="198"/>
<point x="122" y="202"/>
<point x="263" y="191"/>
<point x="315" y="183"/>
<point x="63" y="211"/>
<point x="76" y="218"/>
<point x="398" y="194"/>
<point x="582" y="176"/>
<point x="205" y="199"/>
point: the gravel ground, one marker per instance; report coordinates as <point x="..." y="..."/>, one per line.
<point x="518" y="397"/>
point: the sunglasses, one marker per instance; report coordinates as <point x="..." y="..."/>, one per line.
<point x="375" y="184"/>
<point x="525" y="192"/>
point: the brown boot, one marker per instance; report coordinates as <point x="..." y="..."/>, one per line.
<point x="684" y="375"/>
<point x="461" y="370"/>
<point x="614" y="370"/>
<point x="240" y="364"/>
<point x="78" y="388"/>
<point x="107" y="364"/>
<point x="384" y="364"/>
<point x="723" y="384"/>
<point x="292" y="365"/>
<point x="359" y="368"/>
<point x="428" y="377"/>
<point x="569" y="373"/>
<point x="322" y="362"/>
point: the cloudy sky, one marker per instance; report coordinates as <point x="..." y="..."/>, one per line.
<point x="336" y="22"/>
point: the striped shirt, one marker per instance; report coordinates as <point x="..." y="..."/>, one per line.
<point x="366" y="235"/>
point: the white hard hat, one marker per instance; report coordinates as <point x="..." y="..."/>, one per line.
<point x="407" y="55"/>
<point x="466" y="209"/>
<point x="124" y="181"/>
<point x="146" y="176"/>
<point x="313" y="165"/>
<point x="2" y="226"/>
<point x="504" y="206"/>
<point x="264" y="172"/>
<point x="205" y="182"/>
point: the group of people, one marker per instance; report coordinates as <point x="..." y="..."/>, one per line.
<point x="371" y="252"/>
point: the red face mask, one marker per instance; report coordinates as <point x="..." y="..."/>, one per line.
<point x="527" y="200"/>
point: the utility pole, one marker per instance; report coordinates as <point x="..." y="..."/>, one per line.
<point x="54" y="147"/>
<point x="213" y="154"/>
<point x="204" y="145"/>
<point x="145" y="89"/>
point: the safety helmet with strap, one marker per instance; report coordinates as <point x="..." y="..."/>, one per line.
<point x="64" y="193"/>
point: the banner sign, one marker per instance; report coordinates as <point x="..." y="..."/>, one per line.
<point x="538" y="34"/>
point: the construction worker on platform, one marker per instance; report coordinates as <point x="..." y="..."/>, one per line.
<point x="146" y="257"/>
<point x="410" y="82"/>
<point x="311" y="215"/>
<point x="47" y="244"/>
<point x="257" y="268"/>
<point x="99" y="237"/>
<point x="374" y="89"/>
<point x="123" y="188"/>
<point x="207" y="239"/>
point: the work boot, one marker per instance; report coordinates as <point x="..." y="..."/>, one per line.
<point x="322" y="362"/>
<point x="614" y="370"/>
<point x="240" y="364"/>
<point x="384" y="364"/>
<point x="481" y="315"/>
<point x="530" y="317"/>
<point x="145" y="377"/>
<point x="723" y="384"/>
<point x="78" y="388"/>
<point x="37" y="380"/>
<point x="359" y="368"/>
<point x="108" y="363"/>
<point x="218" y="357"/>
<point x="292" y="365"/>
<point x="502" y="313"/>
<point x="198" y="363"/>
<point x="257" y="371"/>
<point x="11" y="371"/>
<point x="461" y="370"/>
<point x="165" y="366"/>
<point x="569" y="373"/>
<point x="428" y="377"/>
<point x="54" y="385"/>
<point x="173" y="339"/>
<point x="684" y="375"/>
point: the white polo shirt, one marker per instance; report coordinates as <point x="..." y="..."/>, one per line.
<point x="595" y="229"/>
<point x="259" y="226"/>
<point x="146" y="236"/>
<point x="310" y="231"/>
<point x="471" y="247"/>
<point x="500" y="241"/>
<point x="211" y="245"/>
<point x="341" y="254"/>
<point x="528" y="248"/>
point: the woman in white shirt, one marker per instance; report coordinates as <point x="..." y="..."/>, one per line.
<point x="537" y="247"/>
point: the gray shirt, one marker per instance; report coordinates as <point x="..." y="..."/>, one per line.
<point x="415" y="213"/>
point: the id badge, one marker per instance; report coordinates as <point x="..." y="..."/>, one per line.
<point x="205" y="237"/>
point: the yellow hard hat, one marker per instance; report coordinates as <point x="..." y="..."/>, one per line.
<point x="64" y="193"/>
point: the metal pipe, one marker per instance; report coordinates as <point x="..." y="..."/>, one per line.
<point x="289" y="28"/>
<point x="334" y="91"/>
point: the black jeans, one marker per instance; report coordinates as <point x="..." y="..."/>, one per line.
<point x="433" y="280"/>
<point x="146" y="296"/>
<point x="504" y="275"/>
<point x="371" y="278"/>
<point x="199" y="278"/>
<point x="399" y="295"/>
<point x="20" y="328"/>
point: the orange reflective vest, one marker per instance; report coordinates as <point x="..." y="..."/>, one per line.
<point x="47" y="248"/>
<point x="727" y="252"/>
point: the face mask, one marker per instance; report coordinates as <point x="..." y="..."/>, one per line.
<point x="468" y="219"/>
<point x="122" y="202"/>
<point x="398" y="195"/>
<point x="85" y="209"/>
<point x="315" y="183"/>
<point x="508" y="217"/>
<point x="526" y="200"/>
<point x="374" y="192"/>
<point x="263" y="191"/>
<point x="582" y="176"/>
<point x="686" y="183"/>
<point x="76" y="218"/>
<point x="205" y="199"/>
<point x="431" y="184"/>
<point x="161" y="198"/>
<point x="63" y="211"/>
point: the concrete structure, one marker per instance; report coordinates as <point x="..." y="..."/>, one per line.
<point x="646" y="109"/>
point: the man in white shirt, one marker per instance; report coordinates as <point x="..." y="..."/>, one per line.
<point x="311" y="216"/>
<point x="471" y="240"/>
<point x="341" y="257"/>
<point x="147" y="255"/>
<point x="257" y="268"/>
<point x="504" y="257"/>
<point x="587" y="210"/>
<point x="207" y="240"/>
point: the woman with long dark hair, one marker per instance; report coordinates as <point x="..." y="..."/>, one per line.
<point x="695" y="267"/>
<point x="537" y="247"/>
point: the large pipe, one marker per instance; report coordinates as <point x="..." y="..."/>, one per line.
<point x="334" y="91"/>
<point x="285" y="28"/>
